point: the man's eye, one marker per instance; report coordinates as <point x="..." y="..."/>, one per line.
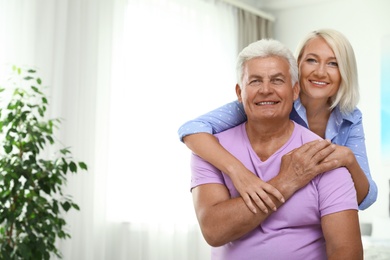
<point x="277" y="81"/>
<point x="255" y="82"/>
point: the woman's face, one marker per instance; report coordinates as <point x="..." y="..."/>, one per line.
<point x="319" y="75"/>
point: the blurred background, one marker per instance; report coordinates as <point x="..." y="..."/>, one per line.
<point x="125" y="74"/>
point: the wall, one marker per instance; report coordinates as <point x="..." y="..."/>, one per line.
<point x="365" y="23"/>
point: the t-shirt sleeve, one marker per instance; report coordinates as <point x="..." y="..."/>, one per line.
<point x="203" y="172"/>
<point x="336" y="192"/>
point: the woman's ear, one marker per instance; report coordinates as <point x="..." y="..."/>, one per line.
<point x="238" y="93"/>
<point x="296" y="90"/>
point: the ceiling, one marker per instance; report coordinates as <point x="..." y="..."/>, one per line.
<point x="270" y="5"/>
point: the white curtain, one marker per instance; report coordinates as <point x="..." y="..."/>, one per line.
<point x="124" y="75"/>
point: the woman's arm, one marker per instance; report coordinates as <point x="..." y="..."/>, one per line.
<point x="359" y="163"/>
<point x="197" y="135"/>
<point x="351" y="153"/>
<point x="247" y="184"/>
<point x="218" y="120"/>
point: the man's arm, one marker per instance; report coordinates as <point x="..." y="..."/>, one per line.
<point x="342" y="235"/>
<point x="223" y="219"/>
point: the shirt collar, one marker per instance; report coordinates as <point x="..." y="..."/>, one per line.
<point x="335" y="120"/>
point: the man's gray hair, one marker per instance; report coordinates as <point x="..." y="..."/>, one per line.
<point x="266" y="48"/>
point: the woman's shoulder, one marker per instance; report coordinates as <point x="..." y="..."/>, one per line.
<point x="356" y="112"/>
<point x="354" y="117"/>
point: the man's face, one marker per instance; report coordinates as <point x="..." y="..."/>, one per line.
<point x="267" y="91"/>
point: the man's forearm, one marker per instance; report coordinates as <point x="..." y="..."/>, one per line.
<point x="231" y="219"/>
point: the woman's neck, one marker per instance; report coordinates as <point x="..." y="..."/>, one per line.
<point x="317" y="114"/>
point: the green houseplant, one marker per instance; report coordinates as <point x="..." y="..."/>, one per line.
<point x="32" y="203"/>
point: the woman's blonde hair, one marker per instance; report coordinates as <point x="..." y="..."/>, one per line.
<point x="347" y="97"/>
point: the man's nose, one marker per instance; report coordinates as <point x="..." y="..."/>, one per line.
<point x="265" y="87"/>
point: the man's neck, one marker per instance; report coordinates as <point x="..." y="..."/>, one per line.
<point x="266" y="137"/>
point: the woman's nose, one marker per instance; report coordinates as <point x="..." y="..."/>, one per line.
<point x="320" y="70"/>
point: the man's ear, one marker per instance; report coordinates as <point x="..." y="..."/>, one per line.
<point x="238" y="93"/>
<point x="296" y="90"/>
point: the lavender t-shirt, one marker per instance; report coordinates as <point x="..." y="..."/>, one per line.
<point x="294" y="231"/>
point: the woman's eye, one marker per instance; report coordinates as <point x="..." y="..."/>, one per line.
<point x="333" y="64"/>
<point x="311" y="60"/>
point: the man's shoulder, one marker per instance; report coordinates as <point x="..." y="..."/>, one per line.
<point x="306" y="134"/>
<point x="237" y="130"/>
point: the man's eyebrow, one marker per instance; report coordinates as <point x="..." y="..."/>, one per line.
<point x="255" y="75"/>
<point x="279" y="74"/>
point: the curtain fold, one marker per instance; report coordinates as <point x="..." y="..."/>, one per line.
<point x="252" y="28"/>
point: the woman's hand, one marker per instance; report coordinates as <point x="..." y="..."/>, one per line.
<point x="341" y="156"/>
<point x="297" y="168"/>
<point x="253" y="189"/>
